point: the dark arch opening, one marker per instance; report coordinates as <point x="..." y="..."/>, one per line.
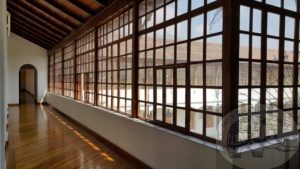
<point x="26" y="80"/>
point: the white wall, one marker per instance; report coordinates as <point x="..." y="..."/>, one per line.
<point x="3" y="61"/>
<point x="21" y="52"/>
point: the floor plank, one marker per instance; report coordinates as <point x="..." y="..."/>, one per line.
<point x="41" y="138"/>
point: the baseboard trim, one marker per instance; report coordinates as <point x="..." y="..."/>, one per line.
<point x="111" y="145"/>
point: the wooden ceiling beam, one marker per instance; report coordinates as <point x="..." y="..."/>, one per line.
<point x="103" y="2"/>
<point x="83" y="7"/>
<point x="37" y="12"/>
<point x="63" y="9"/>
<point x="13" y="7"/>
<point x="32" y="34"/>
<point x="35" y="24"/>
<point x="52" y="13"/>
<point x="30" y="38"/>
<point x="41" y="33"/>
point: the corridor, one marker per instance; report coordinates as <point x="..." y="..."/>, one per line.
<point x="39" y="137"/>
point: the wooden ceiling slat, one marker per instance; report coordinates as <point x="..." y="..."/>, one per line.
<point x="36" y="24"/>
<point x="83" y="7"/>
<point x="30" y="38"/>
<point x="66" y="11"/>
<point x="52" y="13"/>
<point x="32" y="34"/>
<point x="44" y="34"/>
<point x="14" y="7"/>
<point x="37" y="12"/>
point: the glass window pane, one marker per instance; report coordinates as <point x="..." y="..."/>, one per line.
<point x="196" y="53"/>
<point x="272" y="74"/>
<point x="159" y="113"/>
<point x="197" y="26"/>
<point x="288" y="121"/>
<point x="150" y="5"/>
<point x="256" y="47"/>
<point x="149" y="111"/>
<point x="288" y="51"/>
<point x="159" y="37"/>
<point x="181" y="97"/>
<point x="290" y="5"/>
<point x="142" y="110"/>
<point x="169" y="96"/>
<point x="182" y="6"/>
<point x="274" y="2"/>
<point x="182" y="30"/>
<point x="159" y="15"/>
<point x="256" y="24"/>
<point x="169" y="115"/>
<point x="214" y="100"/>
<point x="244" y="46"/>
<point x="197" y="3"/>
<point x="271" y="124"/>
<point x="214" y="126"/>
<point x="214" y="21"/>
<point x="244" y="18"/>
<point x="255" y="100"/>
<point x="169" y="77"/>
<point x="169" y="55"/>
<point x="288" y="74"/>
<point x="196" y="122"/>
<point x="170" y="34"/>
<point x="287" y="98"/>
<point x="272" y="49"/>
<point x="180" y="118"/>
<point x="271" y="99"/>
<point x="255" y="126"/>
<point x="243" y="101"/>
<point x="159" y="95"/>
<point x="142" y="8"/>
<point x="170" y="11"/>
<point x="196" y="98"/>
<point x="181" y="76"/>
<point x="159" y="77"/>
<point x="243" y="128"/>
<point x="289" y="27"/>
<point x="214" y="74"/>
<point x="243" y="73"/>
<point x="256" y="73"/>
<point x="214" y="48"/>
<point x="273" y="24"/>
<point x="181" y="53"/>
<point x="196" y="74"/>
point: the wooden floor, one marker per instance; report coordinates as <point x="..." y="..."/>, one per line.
<point x="41" y="138"/>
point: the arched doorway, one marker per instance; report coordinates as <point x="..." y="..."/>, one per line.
<point x="28" y="81"/>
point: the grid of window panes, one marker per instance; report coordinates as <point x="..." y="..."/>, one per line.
<point x="187" y="51"/>
<point x="69" y="70"/>
<point x="58" y="71"/>
<point x="278" y="69"/>
<point x="115" y="63"/>
<point x="85" y="67"/>
<point x="51" y="73"/>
